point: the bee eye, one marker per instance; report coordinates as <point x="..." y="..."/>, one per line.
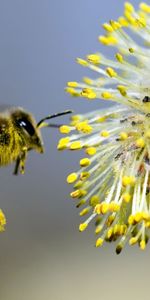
<point x="24" y="123"/>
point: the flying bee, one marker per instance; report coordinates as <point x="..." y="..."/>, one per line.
<point x="19" y="133"/>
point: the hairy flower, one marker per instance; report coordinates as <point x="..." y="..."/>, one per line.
<point x="113" y="182"/>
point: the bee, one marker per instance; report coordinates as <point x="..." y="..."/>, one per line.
<point x="19" y="133"/>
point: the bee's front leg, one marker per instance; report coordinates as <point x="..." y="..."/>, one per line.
<point x="20" y="163"/>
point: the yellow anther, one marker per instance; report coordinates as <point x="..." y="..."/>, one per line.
<point x="76" y="194"/>
<point x="122" y="89"/>
<point x="114" y="207"/>
<point x="84" y="127"/>
<point x="110" y="220"/>
<point x="63" y="143"/>
<point x="104" y="208"/>
<point x="123" y="136"/>
<point x="104" y="133"/>
<point x="64" y="129"/>
<point x="116" y="229"/>
<point x="82" y="62"/>
<point x="129" y="7"/>
<point x="75" y="118"/>
<point x="94" y="200"/>
<point x="72" y="84"/>
<point x="138" y="217"/>
<point x="87" y="80"/>
<point x="2" y="221"/>
<point x="83" y="226"/>
<point x="133" y="241"/>
<point x="109" y="232"/>
<point x="99" y="242"/>
<point x="101" y="119"/>
<point x="127" y="180"/>
<point x="72" y="177"/>
<point x="111" y="72"/>
<point x="145" y="7"/>
<point x="90" y="151"/>
<point x="108" y="27"/>
<point x="140" y="143"/>
<point x="145" y="216"/>
<point x="75" y="145"/>
<point x="142" y="244"/>
<point x="88" y="93"/>
<point x="84" y="162"/>
<point x="84" y="211"/>
<point x="141" y="21"/>
<point x="119" y="57"/>
<point x="84" y="175"/>
<point x="110" y="40"/>
<point x="97" y="209"/>
<point x="115" y="25"/>
<point x="123" y="22"/>
<point x="147" y="224"/>
<point x="72" y="92"/>
<point x="94" y="58"/>
<point x="126" y="197"/>
<point x="131" y="220"/>
<point x="78" y="184"/>
<point x="107" y="95"/>
<point x="98" y="229"/>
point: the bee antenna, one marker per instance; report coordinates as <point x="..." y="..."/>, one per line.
<point x="66" y="112"/>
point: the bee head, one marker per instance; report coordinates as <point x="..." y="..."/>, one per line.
<point x="27" y="130"/>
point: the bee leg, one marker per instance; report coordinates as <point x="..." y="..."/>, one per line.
<point x="17" y="165"/>
<point x="20" y="163"/>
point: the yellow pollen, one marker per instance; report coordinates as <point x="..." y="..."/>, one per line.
<point x="111" y="72"/>
<point x="72" y="84"/>
<point x="122" y="89"/>
<point x="140" y="143"/>
<point x="123" y="136"/>
<point x="82" y="62"/>
<point x="126" y="197"/>
<point x="84" y="127"/>
<point x="128" y="180"/>
<point x="114" y="207"/>
<point x="145" y="216"/>
<point x="75" y="145"/>
<point x="115" y="25"/>
<point x="83" y="226"/>
<point x="110" y="220"/>
<point x="142" y="244"/>
<point x="138" y="217"/>
<point x="2" y="221"/>
<point x="129" y="7"/>
<point x="84" y="175"/>
<point x="72" y="177"/>
<point x="110" y="232"/>
<point x="119" y="57"/>
<point x="90" y="151"/>
<point x="97" y="209"/>
<point x="87" y="80"/>
<point x="88" y="93"/>
<point x="104" y="208"/>
<point x="94" y="58"/>
<point x="108" y="27"/>
<point x="107" y="95"/>
<point x="107" y="40"/>
<point x="145" y="7"/>
<point x="123" y="22"/>
<point x="63" y="143"/>
<point x="104" y="133"/>
<point x="131" y="220"/>
<point x="99" y="242"/>
<point x="84" y="162"/>
<point x="72" y="92"/>
<point x="133" y="241"/>
<point x="84" y="211"/>
<point x="75" y="117"/>
<point x="64" y="129"/>
<point x="98" y="229"/>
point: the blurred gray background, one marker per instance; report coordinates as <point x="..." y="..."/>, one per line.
<point x="42" y="254"/>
